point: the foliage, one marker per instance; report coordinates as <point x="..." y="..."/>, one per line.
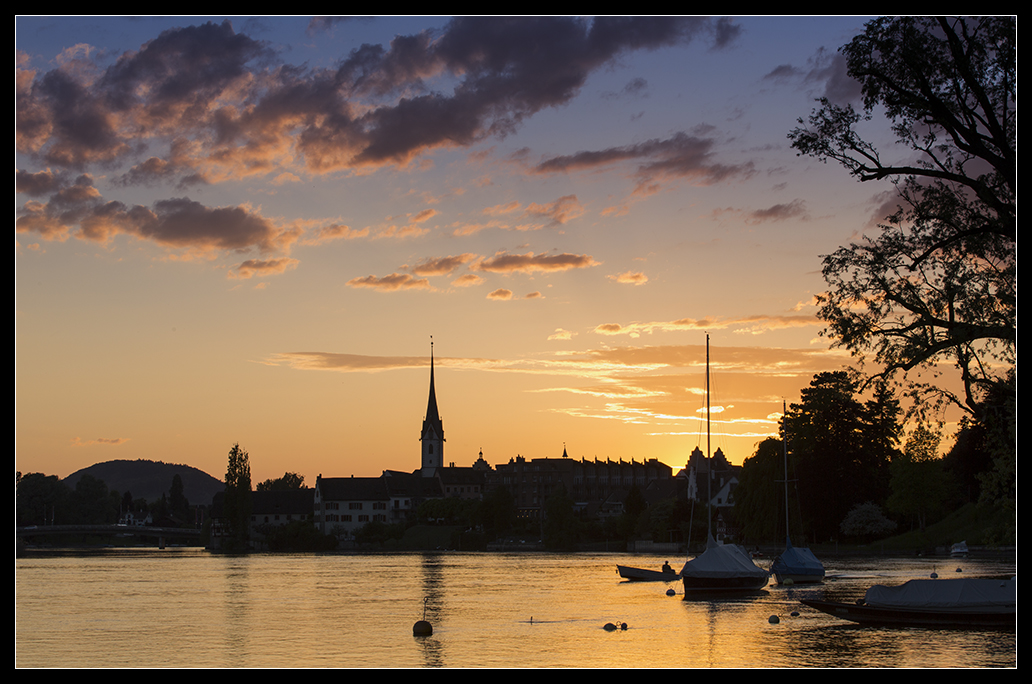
<point x="939" y="282"/>
<point x="179" y="505"/>
<point x="451" y="510"/>
<point x="41" y="500"/>
<point x="238" y="492"/>
<point x="837" y="465"/>
<point x="297" y="535"/>
<point x="999" y="484"/>
<point x="918" y="478"/>
<point x="94" y="503"/>
<point x="287" y="482"/>
<point x="866" y="520"/>
<point x="497" y="512"/>
<point x="759" y="497"/>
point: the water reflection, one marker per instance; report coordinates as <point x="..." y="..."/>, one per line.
<point x="487" y="610"/>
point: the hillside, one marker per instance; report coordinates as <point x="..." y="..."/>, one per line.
<point x="150" y="479"/>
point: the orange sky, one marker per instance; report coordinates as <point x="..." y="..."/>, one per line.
<point x="247" y="230"/>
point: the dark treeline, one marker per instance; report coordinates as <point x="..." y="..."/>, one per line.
<point x="853" y="473"/>
<point x="46" y="500"/>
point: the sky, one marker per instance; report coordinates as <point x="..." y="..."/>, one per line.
<point x="250" y="229"/>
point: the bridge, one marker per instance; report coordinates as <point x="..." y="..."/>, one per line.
<point x="162" y="533"/>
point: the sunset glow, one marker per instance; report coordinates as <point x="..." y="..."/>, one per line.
<point x="248" y="229"/>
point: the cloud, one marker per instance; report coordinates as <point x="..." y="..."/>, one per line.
<point x="662" y="386"/>
<point x="262" y="267"/>
<point x="828" y="70"/>
<point x="630" y="277"/>
<point x="534" y="263"/>
<point x="561" y="334"/>
<point x="178" y="223"/>
<point x="467" y="280"/>
<point x="440" y="265"/>
<point x="796" y="209"/>
<point x="235" y="110"/>
<point x="391" y="283"/>
<point x="748" y="324"/>
<point x="501" y="293"/>
<point x="558" y="212"/>
<point x="682" y="156"/>
<point x="335" y="231"/>
<point x="103" y="441"/>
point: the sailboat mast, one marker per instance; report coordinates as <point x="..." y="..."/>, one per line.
<point x="709" y="454"/>
<point x="784" y="448"/>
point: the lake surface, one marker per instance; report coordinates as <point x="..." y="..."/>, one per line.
<point x="189" y="608"/>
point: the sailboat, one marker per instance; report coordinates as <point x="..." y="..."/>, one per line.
<point x="794" y="565"/>
<point x="721" y="568"/>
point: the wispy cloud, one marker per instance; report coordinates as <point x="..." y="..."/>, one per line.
<point x="391" y="283"/>
<point x="630" y="278"/>
<point x="748" y="324"/>
<point x="101" y="441"/>
<point x="504" y="262"/>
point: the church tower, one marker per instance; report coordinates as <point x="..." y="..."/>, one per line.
<point x="432" y="436"/>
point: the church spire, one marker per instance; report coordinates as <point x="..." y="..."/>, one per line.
<point x="431" y="405"/>
<point x="432" y="436"/>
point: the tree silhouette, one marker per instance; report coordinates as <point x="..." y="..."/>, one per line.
<point x="238" y="493"/>
<point x="939" y="282"/>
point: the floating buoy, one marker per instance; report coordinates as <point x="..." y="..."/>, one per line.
<point x="959" y="570"/>
<point x="795" y="613"/>
<point x="670" y="592"/>
<point x="609" y="627"/>
<point x="623" y="626"/>
<point x="422" y="627"/>
<point x="773" y="619"/>
<point x="935" y="575"/>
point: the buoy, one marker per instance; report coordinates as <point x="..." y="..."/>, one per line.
<point x="623" y="626"/>
<point x="422" y="627"/>
<point x="670" y="592"/>
<point x="773" y="619"/>
<point x="959" y="570"/>
<point x="935" y="575"/>
<point x="609" y="627"/>
<point x="795" y="613"/>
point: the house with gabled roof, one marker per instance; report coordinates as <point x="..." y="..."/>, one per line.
<point x="344" y="504"/>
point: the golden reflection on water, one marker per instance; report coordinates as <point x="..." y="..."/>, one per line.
<point x="188" y="608"/>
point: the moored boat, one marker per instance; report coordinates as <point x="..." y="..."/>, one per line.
<point x="794" y="565"/>
<point x="721" y="568"/>
<point x="643" y="575"/>
<point x="959" y="603"/>
<point x="797" y="566"/>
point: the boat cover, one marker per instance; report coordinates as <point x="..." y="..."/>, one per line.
<point x="947" y="594"/>
<point x="722" y="560"/>
<point x="793" y="561"/>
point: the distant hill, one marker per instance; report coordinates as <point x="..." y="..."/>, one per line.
<point x="150" y="479"/>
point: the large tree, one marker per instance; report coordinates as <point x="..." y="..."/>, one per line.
<point x="288" y="482"/>
<point x="938" y="283"/>
<point x="238" y="492"/>
<point x="760" y="494"/>
<point x="834" y="460"/>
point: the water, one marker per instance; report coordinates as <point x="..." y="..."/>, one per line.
<point x="190" y="608"/>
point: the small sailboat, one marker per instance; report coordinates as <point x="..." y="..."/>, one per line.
<point x="721" y="568"/>
<point x="794" y="565"/>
